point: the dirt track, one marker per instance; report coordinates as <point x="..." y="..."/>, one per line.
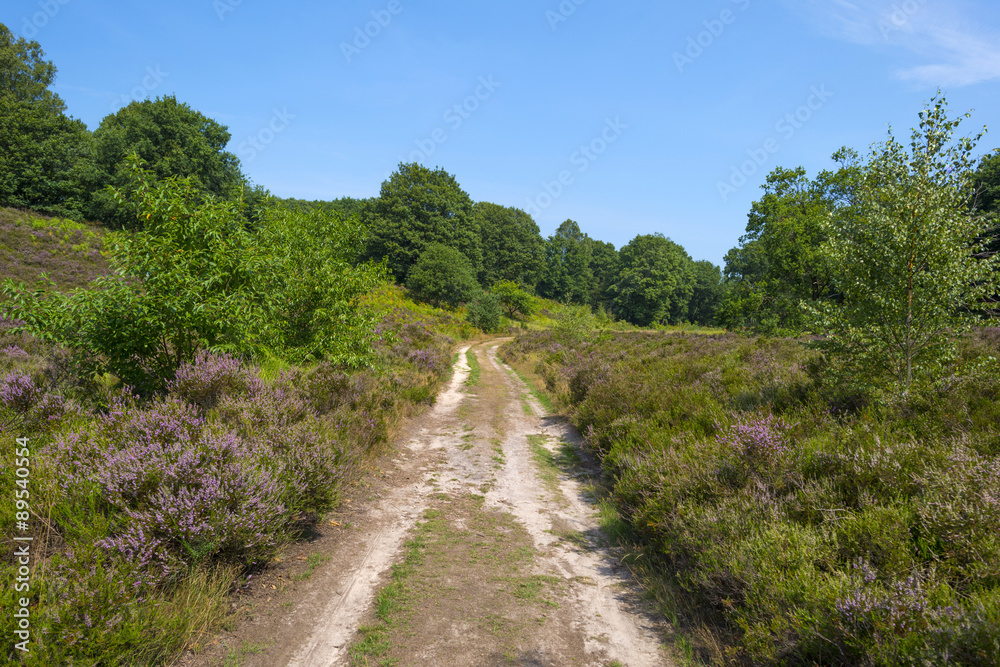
<point x="506" y="565"/>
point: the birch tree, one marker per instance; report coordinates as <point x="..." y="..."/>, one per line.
<point x="909" y="269"/>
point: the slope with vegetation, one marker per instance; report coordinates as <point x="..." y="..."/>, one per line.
<point x="150" y="504"/>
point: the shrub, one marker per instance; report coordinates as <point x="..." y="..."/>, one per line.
<point x="207" y="379"/>
<point x="442" y="275"/>
<point x="27" y="406"/>
<point x="484" y="313"/>
<point x="181" y="493"/>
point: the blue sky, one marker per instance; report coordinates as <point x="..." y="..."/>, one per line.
<point x="623" y="116"/>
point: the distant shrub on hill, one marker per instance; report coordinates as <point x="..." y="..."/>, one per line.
<point x="442" y="275"/>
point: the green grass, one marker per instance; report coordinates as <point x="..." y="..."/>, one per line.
<point x="235" y="656"/>
<point x="545" y="461"/>
<point x="498" y="455"/>
<point x="314" y="561"/>
<point x="539" y="394"/>
<point x="391" y="600"/>
<point x="474" y="369"/>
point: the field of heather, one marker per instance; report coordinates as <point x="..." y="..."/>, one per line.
<point x="786" y="521"/>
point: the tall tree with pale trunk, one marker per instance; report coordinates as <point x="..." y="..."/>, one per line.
<point x="908" y="268"/>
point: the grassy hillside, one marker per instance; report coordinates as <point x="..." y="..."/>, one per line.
<point x="68" y="252"/>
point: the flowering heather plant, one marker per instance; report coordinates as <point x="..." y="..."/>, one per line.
<point x="757" y="438"/>
<point x="32" y="408"/>
<point x="183" y="493"/>
<point x="92" y="601"/>
<point x="210" y="377"/>
<point x="14" y="352"/>
<point x="767" y="532"/>
<point x="308" y="465"/>
<point x="883" y="612"/>
<point x="18" y="392"/>
<point x="426" y="360"/>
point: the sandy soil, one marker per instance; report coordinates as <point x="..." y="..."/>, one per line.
<point x="515" y="569"/>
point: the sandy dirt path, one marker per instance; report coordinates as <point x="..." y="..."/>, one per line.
<point x="512" y="567"/>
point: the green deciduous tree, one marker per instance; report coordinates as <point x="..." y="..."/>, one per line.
<point x="44" y="155"/>
<point x="655" y="281"/>
<point x="604" y="266"/>
<point x="195" y="277"/>
<point x="442" y="275"/>
<point x="173" y="140"/>
<point x="512" y="298"/>
<point x="707" y="293"/>
<point x="906" y="265"/>
<point x="485" y="312"/>
<point x="780" y="262"/>
<point x="568" y="277"/>
<point x="986" y="180"/>
<point x="183" y="283"/>
<point x="309" y="286"/>
<point x="418" y="207"/>
<point x="513" y="248"/>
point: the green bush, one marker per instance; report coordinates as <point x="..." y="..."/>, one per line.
<point x="485" y="312"/>
<point x="513" y="299"/>
<point x="194" y="278"/>
<point x="442" y="275"/>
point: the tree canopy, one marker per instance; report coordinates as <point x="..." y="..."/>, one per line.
<point x="655" y="282"/>
<point x="568" y="277"/>
<point x="780" y="261"/>
<point x="418" y="207"/>
<point x="172" y="140"/>
<point x="44" y="155"/>
<point x="442" y="275"/>
<point x="908" y="267"/>
<point x="512" y="245"/>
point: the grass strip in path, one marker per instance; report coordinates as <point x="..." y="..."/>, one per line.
<point x="474" y="368"/>
<point x="465" y="593"/>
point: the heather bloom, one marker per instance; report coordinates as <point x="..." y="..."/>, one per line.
<point x="186" y="492"/>
<point x="756" y="437"/>
<point x="871" y="607"/>
<point x="210" y="377"/>
<point x="14" y="352"/>
<point x="425" y="360"/>
<point x="761" y="362"/>
<point x="18" y="392"/>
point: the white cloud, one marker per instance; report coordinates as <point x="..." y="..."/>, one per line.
<point x="954" y="50"/>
